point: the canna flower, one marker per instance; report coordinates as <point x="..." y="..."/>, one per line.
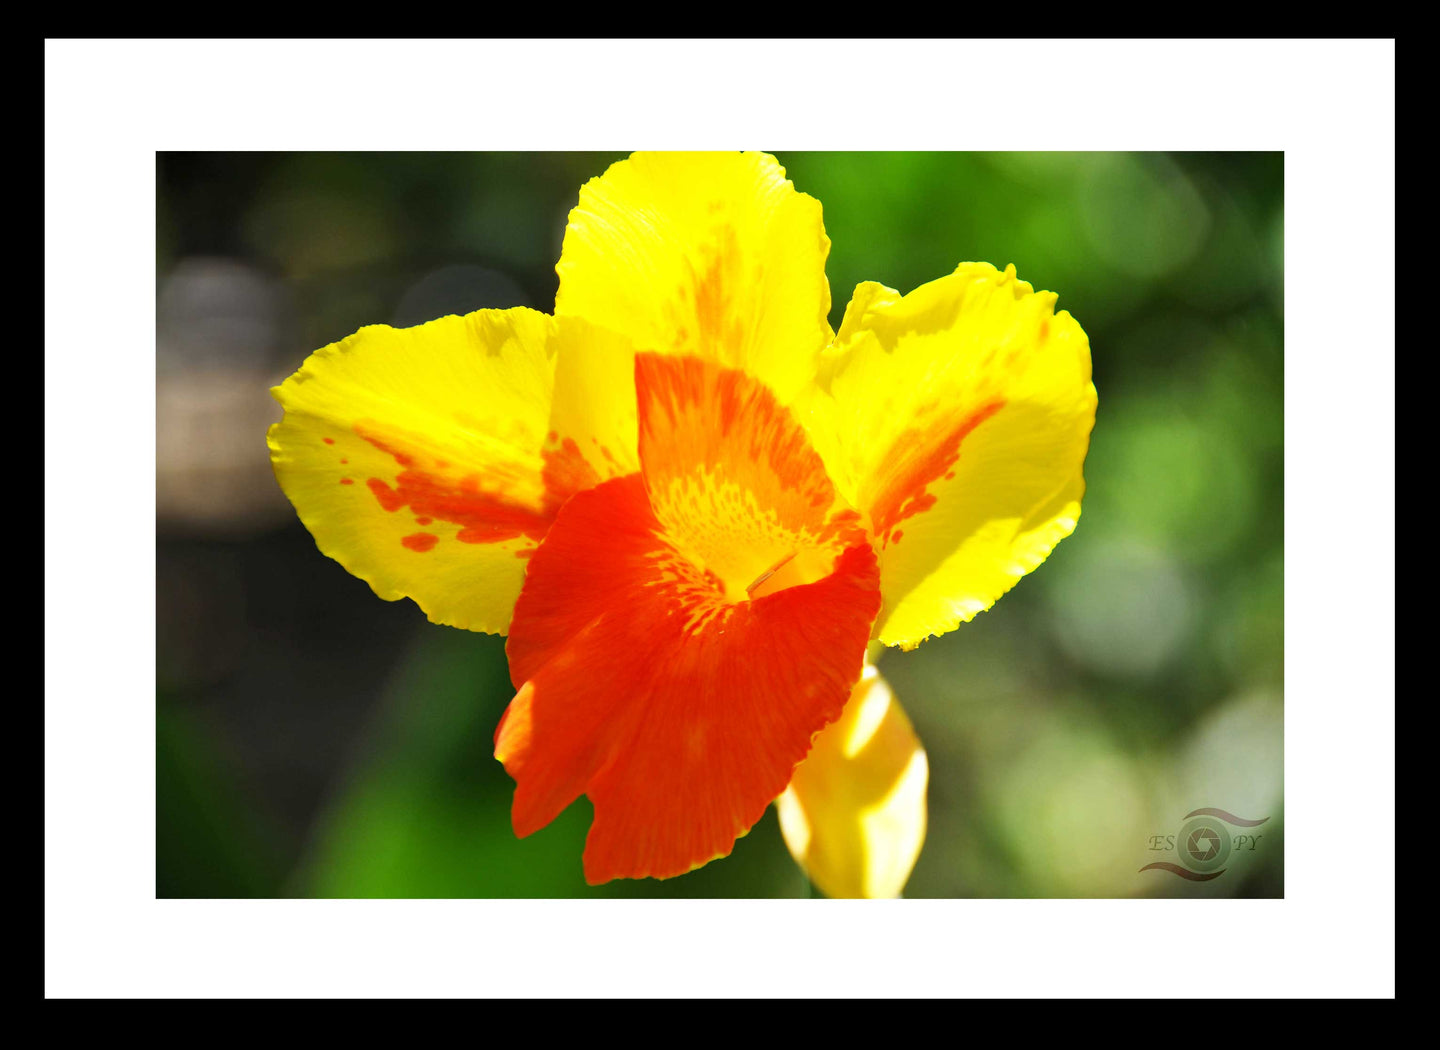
<point x="693" y="509"/>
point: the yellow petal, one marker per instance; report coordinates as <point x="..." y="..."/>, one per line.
<point x="428" y="461"/>
<point x="712" y="254"/>
<point x="595" y="396"/>
<point x="957" y="419"/>
<point x="854" y="813"/>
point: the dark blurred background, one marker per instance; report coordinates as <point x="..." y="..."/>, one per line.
<point x="314" y="740"/>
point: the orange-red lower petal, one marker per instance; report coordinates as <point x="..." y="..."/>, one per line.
<point x="680" y="714"/>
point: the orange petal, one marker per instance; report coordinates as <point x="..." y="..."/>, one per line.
<point x="681" y="714"/>
<point x="732" y="477"/>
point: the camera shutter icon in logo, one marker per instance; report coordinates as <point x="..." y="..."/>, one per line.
<point x="1203" y="845"/>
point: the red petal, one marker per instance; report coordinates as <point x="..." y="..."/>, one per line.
<point x="681" y="638"/>
<point x="680" y="714"/>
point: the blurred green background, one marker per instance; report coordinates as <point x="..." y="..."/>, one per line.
<point x="314" y="740"/>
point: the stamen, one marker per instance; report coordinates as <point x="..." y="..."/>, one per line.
<point x="750" y="591"/>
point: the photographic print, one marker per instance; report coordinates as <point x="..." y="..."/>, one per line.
<point x="751" y="524"/>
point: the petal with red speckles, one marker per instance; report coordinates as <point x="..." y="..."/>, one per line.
<point x="430" y="461"/>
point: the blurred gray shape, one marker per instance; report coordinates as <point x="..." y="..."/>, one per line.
<point x="217" y="313"/>
<point x="219" y="323"/>
<point x="1123" y="609"/>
